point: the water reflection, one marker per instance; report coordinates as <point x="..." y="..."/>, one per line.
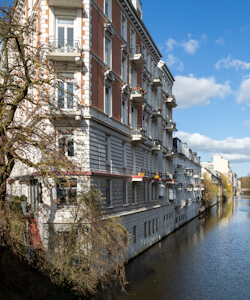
<point x="205" y="259"/>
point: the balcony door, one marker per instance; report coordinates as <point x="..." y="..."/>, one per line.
<point x="65" y="34"/>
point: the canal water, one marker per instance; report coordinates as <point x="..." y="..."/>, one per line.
<point x="208" y="258"/>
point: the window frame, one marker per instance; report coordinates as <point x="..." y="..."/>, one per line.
<point x="67" y="190"/>
<point x="108" y="192"/>
<point x="64" y="139"/>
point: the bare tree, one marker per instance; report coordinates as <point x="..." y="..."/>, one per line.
<point x="91" y="242"/>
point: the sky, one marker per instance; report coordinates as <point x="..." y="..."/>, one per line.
<point x="206" y="45"/>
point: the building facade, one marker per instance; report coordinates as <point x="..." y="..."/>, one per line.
<point x="121" y="120"/>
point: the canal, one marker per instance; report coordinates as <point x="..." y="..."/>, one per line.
<point x="208" y="258"/>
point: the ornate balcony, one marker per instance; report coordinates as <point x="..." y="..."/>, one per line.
<point x="156" y="82"/>
<point x="66" y="3"/>
<point x="170" y="100"/>
<point x="136" y="56"/>
<point x="138" y="95"/>
<point x="139" y="135"/>
<point x="157" y="112"/>
<point x="170" y="126"/>
<point x="157" y="145"/>
<point x="62" y="50"/>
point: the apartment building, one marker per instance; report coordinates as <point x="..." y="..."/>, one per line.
<point x="121" y="121"/>
<point x="188" y="190"/>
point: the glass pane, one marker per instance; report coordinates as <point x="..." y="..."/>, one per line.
<point x="60" y="95"/>
<point x="70" y="147"/>
<point x="70" y="90"/>
<point x="66" y="21"/>
<point x="61" y="38"/>
<point x="70" y="37"/>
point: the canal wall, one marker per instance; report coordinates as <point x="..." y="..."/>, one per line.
<point x="150" y="226"/>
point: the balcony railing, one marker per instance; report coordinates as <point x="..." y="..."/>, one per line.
<point x="64" y="50"/>
<point x="170" y="126"/>
<point x="157" y="112"/>
<point x="170" y="100"/>
<point x="139" y="135"/>
<point x="157" y="145"/>
<point x="138" y="94"/>
<point x="136" y="56"/>
<point x="157" y="80"/>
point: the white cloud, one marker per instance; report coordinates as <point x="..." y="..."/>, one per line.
<point x="232" y="63"/>
<point x="234" y="150"/>
<point x="244" y="92"/>
<point x="171" y="43"/>
<point x="191" y="46"/>
<point x="191" y="91"/>
<point x="220" y="41"/>
<point x="173" y="60"/>
<point x="247" y="123"/>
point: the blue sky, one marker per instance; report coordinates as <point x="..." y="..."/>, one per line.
<point x="206" y="47"/>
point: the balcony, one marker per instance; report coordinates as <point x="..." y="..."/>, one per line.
<point x="66" y="3"/>
<point x="180" y="203"/>
<point x="58" y="109"/>
<point x="139" y="135"/>
<point x="157" y="145"/>
<point x="136" y="56"/>
<point x="170" y="126"/>
<point x="189" y="172"/>
<point x="138" y="95"/>
<point x="179" y="186"/>
<point x="170" y="100"/>
<point x="156" y="82"/>
<point x="170" y="153"/>
<point x="179" y="168"/>
<point x="61" y="50"/>
<point x="157" y="112"/>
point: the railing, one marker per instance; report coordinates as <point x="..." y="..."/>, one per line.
<point x="138" y="90"/>
<point x="136" y="50"/>
<point x="157" y="142"/>
<point x="139" y="131"/>
<point x="56" y="45"/>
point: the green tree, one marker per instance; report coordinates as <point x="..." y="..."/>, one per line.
<point x="211" y="190"/>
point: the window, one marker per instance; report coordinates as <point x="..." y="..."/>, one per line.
<point x="108" y="192"/>
<point x="107" y="52"/>
<point x="108" y="8"/>
<point x="133" y="77"/>
<point x="66" y="191"/>
<point x="124" y="189"/>
<point x="134" y="192"/>
<point x="124" y="69"/>
<point x="66" y="142"/>
<point x="107" y="149"/>
<point x="65" y="91"/>
<point x="134" y="234"/>
<point x="133" y="117"/>
<point x="124" y="156"/>
<point x="132" y="41"/>
<point x="124" y="113"/>
<point x="145" y="229"/>
<point x="65" y="35"/>
<point x="107" y="100"/>
<point x="149" y="227"/>
<point x="153" y="226"/>
<point x="157" y="224"/>
<point x="124" y="27"/>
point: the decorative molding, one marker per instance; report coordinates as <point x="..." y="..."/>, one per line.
<point x="125" y="89"/>
<point x="109" y="75"/>
<point x="109" y="29"/>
